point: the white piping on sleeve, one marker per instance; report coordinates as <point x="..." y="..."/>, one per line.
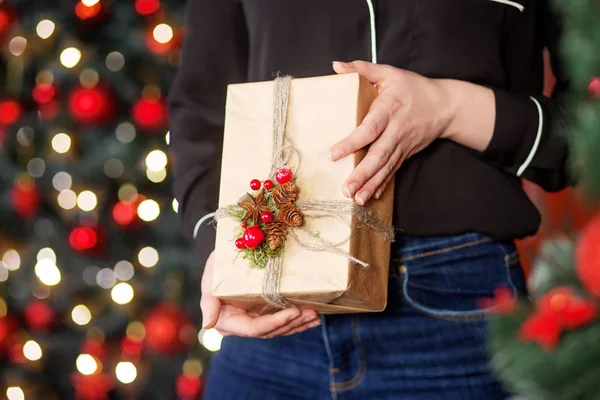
<point x="373" y="25"/>
<point x="538" y="138"/>
<point x="200" y="222"/>
<point x="514" y="4"/>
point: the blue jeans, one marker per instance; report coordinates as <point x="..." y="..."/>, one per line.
<point x="430" y="342"/>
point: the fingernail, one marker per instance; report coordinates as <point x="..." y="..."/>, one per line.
<point x="315" y="324"/>
<point x="338" y="64"/>
<point x="362" y="198"/>
<point x="334" y="154"/>
<point x="352" y="189"/>
<point x="378" y="194"/>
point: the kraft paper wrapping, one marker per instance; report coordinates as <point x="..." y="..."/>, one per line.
<point x="322" y="111"/>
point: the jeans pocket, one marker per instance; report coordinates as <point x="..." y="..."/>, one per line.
<point x="450" y="282"/>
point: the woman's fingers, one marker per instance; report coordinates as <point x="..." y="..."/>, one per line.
<point x="374" y="168"/>
<point x="386" y="182"/>
<point x="374" y="73"/>
<point x="366" y="133"/>
<point x="308" y="317"/>
<point x="238" y="322"/>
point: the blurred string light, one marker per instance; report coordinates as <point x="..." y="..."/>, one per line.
<point x="11" y="260"/>
<point x="36" y="167"/>
<point x="115" y="61"/>
<point x="32" y="350"/>
<point x="81" y="315"/>
<point x="126" y="372"/>
<point x="67" y="199"/>
<point x="89" y="78"/>
<point x="45" y="28"/>
<point x="86" y="364"/>
<point x="106" y="278"/>
<point x="168" y="137"/>
<point x="25" y="136"/>
<point x="15" y="393"/>
<point x="90" y="3"/>
<point x="3" y="307"/>
<point x="156" y="176"/>
<point x="70" y="57"/>
<point x="17" y="45"/>
<point x="175" y="205"/>
<point x="46" y="254"/>
<point x="148" y="210"/>
<point x="86" y="9"/>
<point x="87" y="200"/>
<point x="125" y="132"/>
<point x="47" y="272"/>
<point x="210" y="339"/>
<point x="136" y="330"/>
<point x="114" y="168"/>
<point x="162" y="33"/>
<point x="44" y="76"/>
<point x="148" y="257"/>
<point x="122" y="293"/>
<point x="3" y="278"/>
<point x="89" y="274"/>
<point x="62" y="181"/>
<point x="156" y="160"/>
<point x="146" y="7"/>
<point x="192" y="367"/>
<point x="127" y="192"/>
<point x="124" y="270"/>
<point x="61" y="143"/>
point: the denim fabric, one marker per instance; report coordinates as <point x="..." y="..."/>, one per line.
<point x="429" y="343"/>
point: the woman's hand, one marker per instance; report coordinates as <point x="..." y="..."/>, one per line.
<point x="409" y="113"/>
<point x="230" y="320"/>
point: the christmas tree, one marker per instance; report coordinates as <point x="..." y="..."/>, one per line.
<point x="549" y="347"/>
<point x="99" y="293"/>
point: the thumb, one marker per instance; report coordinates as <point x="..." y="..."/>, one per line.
<point x="374" y="73"/>
<point x="211" y="308"/>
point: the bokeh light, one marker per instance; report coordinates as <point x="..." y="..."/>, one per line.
<point x="115" y="61"/>
<point x="156" y="160"/>
<point x="32" y="350"/>
<point x="17" y="45"/>
<point x="86" y="364"/>
<point x="122" y="293"/>
<point x="162" y="33"/>
<point x="148" y="257"/>
<point x="126" y="372"/>
<point x="36" y="167"/>
<point x="45" y="28"/>
<point x="67" y="199"/>
<point x="61" y="143"/>
<point x="106" y="278"/>
<point x="87" y="200"/>
<point x="210" y="339"/>
<point x="47" y="272"/>
<point x="62" y="181"/>
<point x="156" y="176"/>
<point x="15" y="393"/>
<point x="124" y="270"/>
<point x="148" y="210"/>
<point x="11" y="260"/>
<point x="81" y="315"/>
<point x="70" y="57"/>
<point x="46" y="254"/>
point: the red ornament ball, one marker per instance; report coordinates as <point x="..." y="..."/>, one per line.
<point x="150" y="114"/>
<point x="588" y="256"/>
<point x="255" y="184"/>
<point x="188" y="387"/>
<point x="25" y="200"/>
<point x="594" y="87"/>
<point x="83" y="238"/>
<point x="283" y="175"/>
<point x="10" y="112"/>
<point x="44" y="93"/>
<point x="244" y="225"/>
<point x="124" y="213"/>
<point x="164" y="325"/>
<point x="268" y="184"/>
<point x="266" y="217"/>
<point x="253" y="237"/>
<point x="91" y="387"/>
<point x="91" y="106"/>
<point x="239" y="243"/>
<point x="146" y="7"/>
<point x="39" y="315"/>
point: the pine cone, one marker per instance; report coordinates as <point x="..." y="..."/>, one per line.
<point x="284" y="194"/>
<point x="290" y="214"/>
<point x="276" y="233"/>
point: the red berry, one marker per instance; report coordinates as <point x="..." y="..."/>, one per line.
<point x="268" y="184"/>
<point x="266" y="217"/>
<point x="239" y="243"/>
<point x="253" y="237"/>
<point x="244" y="225"/>
<point x="255" y="184"/>
<point x="283" y="175"/>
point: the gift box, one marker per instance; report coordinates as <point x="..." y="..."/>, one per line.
<point x="336" y="257"/>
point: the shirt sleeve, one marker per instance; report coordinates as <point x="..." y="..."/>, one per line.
<point x="530" y="138"/>
<point x="214" y="54"/>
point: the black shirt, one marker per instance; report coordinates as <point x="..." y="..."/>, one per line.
<point x="445" y="189"/>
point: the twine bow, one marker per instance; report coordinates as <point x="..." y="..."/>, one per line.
<point x="282" y="151"/>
